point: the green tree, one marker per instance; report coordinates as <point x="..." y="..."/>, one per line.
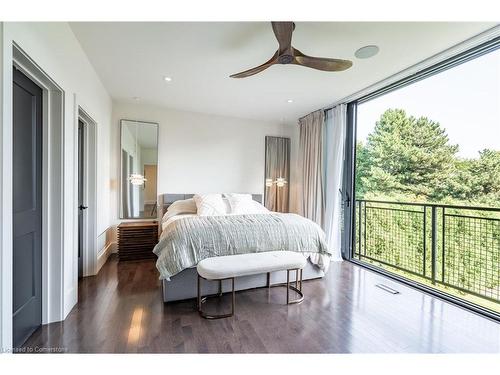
<point x="408" y="156"/>
<point x="462" y="182"/>
<point x="484" y="185"/>
<point x="362" y="170"/>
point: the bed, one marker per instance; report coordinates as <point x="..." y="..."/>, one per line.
<point x="186" y="239"/>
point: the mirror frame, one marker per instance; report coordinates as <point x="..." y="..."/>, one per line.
<point x="121" y="215"/>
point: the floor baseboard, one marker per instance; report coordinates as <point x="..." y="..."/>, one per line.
<point x="105" y="253"/>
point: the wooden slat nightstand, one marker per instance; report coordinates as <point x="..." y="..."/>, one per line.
<point x="136" y="240"/>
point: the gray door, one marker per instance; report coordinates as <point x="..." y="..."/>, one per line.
<point x="27" y="208"/>
<point x="81" y="205"/>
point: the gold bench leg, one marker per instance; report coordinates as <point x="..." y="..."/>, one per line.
<point x="297" y="288"/>
<point x="234" y="297"/>
<point x="199" y="293"/>
<point x="202" y="300"/>
<point x="287" y="287"/>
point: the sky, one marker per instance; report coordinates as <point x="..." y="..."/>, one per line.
<point x="465" y="100"/>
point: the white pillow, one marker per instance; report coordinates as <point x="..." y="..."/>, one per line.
<point x="227" y="205"/>
<point x="238" y="196"/>
<point x="210" y="204"/>
<point x="184" y="206"/>
<point x="243" y="206"/>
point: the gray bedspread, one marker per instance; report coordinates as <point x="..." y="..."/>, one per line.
<point x="186" y="241"/>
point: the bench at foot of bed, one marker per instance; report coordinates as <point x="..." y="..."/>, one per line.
<point x="183" y="286"/>
<point x="234" y="266"/>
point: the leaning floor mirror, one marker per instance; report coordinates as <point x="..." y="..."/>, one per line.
<point x="139" y="162"/>
<point x="277" y="172"/>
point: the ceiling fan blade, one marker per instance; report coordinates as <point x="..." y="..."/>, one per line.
<point x="283" y="32"/>
<point x="320" y="63"/>
<point x="250" y="72"/>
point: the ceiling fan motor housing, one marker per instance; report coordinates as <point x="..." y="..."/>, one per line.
<point x="285" y="59"/>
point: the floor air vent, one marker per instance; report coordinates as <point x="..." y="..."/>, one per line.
<point x="387" y="289"/>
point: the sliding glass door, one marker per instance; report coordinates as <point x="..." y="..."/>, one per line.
<point x="423" y="171"/>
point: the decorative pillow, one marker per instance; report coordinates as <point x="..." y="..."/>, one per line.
<point x="227" y="205"/>
<point x="238" y="196"/>
<point x="210" y="204"/>
<point x="242" y="204"/>
<point x="185" y="206"/>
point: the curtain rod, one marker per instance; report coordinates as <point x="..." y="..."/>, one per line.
<point x="467" y="44"/>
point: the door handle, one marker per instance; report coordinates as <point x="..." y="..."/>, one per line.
<point x="347" y="199"/>
<point x="82" y="207"/>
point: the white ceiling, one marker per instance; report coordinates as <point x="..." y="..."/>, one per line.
<point x="131" y="59"/>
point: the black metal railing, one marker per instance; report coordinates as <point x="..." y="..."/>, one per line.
<point x="456" y="246"/>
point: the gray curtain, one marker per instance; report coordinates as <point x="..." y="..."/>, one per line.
<point x="311" y="166"/>
<point x="277" y="165"/>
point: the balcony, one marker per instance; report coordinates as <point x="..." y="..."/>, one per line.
<point x="455" y="249"/>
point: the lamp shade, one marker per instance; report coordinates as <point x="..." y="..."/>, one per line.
<point x="280" y="182"/>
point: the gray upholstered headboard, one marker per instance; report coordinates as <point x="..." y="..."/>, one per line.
<point x="165" y="200"/>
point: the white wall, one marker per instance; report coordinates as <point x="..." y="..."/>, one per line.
<point x="203" y="153"/>
<point x="54" y="48"/>
<point x="148" y="156"/>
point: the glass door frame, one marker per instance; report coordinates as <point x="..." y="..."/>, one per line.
<point x="348" y="184"/>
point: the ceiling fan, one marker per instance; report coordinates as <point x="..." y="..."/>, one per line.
<point x="286" y="54"/>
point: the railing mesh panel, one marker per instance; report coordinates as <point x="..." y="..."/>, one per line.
<point x="472" y="254"/>
<point x="465" y="241"/>
<point x="394" y="237"/>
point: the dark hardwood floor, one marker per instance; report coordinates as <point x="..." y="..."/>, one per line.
<point x="121" y="310"/>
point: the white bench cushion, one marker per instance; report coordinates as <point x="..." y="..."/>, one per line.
<point x="249" y="264"/>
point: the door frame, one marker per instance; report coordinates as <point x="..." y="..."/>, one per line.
<point x="348" y="183"/>
<point x="89" y="251"/>
<point x="53" y="191"/>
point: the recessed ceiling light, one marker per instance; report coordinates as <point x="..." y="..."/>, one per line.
<point x="289" y="101"/>
<point x="167" y="79"/>
<point x="366" y="52"/>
